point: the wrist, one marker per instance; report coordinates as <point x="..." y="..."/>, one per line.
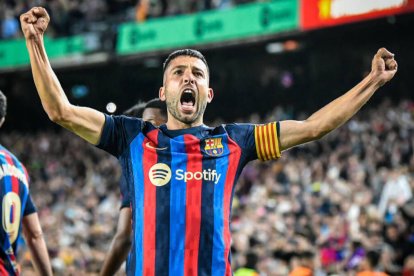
<point x="37" y="38"/>
<point x="375" y="80"/>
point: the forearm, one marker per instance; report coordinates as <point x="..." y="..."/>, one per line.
<point x="337" y="112"/>
<point x="343" y="108"/>
<point x="51" y="94"/>
<point x="40" y="257"/>
<point x="83" y="121"/>
<point x="34" y="238"/>
<point x="121" y="244"/>
<point x="329" y="117"/>
<point x="118" y="253"/>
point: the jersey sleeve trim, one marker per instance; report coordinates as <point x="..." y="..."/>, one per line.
<point x="267" y="141"/>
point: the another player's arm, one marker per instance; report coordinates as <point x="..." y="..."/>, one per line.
<point x="83" y="121"/>
<point x="33" y="236"/>
<point x="120" y="245"/>
<point x="340" y="110"/>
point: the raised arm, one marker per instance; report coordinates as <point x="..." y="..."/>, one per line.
<point x="34" y="238"/>
<point x="340" y="110"/>
<point x="83" y="121"/>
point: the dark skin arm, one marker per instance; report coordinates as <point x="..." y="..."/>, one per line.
<point x="120" y="245"/>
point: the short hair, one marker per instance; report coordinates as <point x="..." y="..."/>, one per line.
<point x="3" y="105"/>
<point x="308" y="255"/>
<point x="373" y="257"/>
<point x="157" y="103"/>
<point x="185" y="52"/>
<point x="136" y="110"/>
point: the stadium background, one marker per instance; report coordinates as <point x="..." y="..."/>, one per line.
<point x="331" y="198"/>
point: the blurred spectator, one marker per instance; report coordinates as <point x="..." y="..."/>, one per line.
<point x="408" y="269"/>
<point x="369" y="264"/>
<point x="305" y="266"/>
<point x="395" y="193"/>
<point x="10" y="27"/>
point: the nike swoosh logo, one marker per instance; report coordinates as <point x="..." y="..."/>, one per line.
<point x="148" y="145"/>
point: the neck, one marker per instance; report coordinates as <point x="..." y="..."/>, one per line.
<point x="174" y="124"/>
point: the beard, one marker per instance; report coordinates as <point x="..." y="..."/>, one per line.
<point x="172" y="107"/>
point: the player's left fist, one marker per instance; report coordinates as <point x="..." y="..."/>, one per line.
<point x="384" y="66"/>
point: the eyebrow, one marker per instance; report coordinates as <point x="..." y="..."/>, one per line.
<point x="185" y="66"/>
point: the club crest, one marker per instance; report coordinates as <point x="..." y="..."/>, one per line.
<point x="213" y="146"/>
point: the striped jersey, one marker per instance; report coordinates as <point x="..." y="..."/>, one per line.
<point x="181" y="185"/>
<point x="15" y="204"/>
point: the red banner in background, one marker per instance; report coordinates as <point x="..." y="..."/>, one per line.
<point x="324" y="13"/>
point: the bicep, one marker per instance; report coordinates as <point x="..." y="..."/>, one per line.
<point x="31" y="226"/>
<point x="293" y="133"/>
<point x="85" y="122"/>
<point x="124" y="222"/>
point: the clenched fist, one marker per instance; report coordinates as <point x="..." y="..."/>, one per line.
<point x="383" y="66"/>
<point x="34" y="22"/>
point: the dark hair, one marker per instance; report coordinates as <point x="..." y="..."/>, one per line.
<point x="157" y="103"/>
<point x="185" y="52"/>
<point x="3" y="105"/>
<point x="309" y="255"/>
<point x="136" y="110"/>
<point x="373" y="257"/>
<point x="251" y="260"/>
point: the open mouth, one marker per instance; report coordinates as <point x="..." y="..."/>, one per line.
<point x="188" y="100"/>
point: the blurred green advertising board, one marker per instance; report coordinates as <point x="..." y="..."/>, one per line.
<point x="244" y="21"/>
<point x="13" y="53"/>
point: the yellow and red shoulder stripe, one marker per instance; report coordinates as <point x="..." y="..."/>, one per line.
<point x="267" y="142"/>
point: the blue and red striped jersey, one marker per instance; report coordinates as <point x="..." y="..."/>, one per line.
<point x="181" y="185"/>
<point x="16" y="203"/>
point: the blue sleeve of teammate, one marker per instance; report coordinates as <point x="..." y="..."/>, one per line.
<point x="118" y="132"/>
<point x="30" y="208"/>
<point x="126" y="202"/>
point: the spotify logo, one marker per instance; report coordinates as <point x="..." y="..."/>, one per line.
<point x="160" y="174"/>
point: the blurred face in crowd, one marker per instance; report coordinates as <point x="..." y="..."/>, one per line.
<point x="154" y="116"/>
<point x="374" y="233"/>
<point x="392" y="233"/>
<point x="186" y="91"/>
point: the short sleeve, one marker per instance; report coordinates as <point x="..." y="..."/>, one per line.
<point x="118" y="132"/>
<point x="29" y="208"/>
<point x="257" y="141"/>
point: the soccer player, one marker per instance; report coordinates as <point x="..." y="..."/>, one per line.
<point x="182" y="174"/>
<point x="155" y="112"/>
<point x="17" y="210"/>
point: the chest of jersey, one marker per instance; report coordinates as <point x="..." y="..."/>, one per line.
<point x="186" y="160"/>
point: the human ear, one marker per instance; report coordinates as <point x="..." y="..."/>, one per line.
<point x="210" y="95"/>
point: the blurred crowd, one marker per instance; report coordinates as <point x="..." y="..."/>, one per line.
<point x="334" y="207"/>
<point x="71" y="17"/>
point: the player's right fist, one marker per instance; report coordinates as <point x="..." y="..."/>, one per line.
<point x="34" y="22"/>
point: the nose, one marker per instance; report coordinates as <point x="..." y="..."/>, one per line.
<point x="189" y="78"/>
